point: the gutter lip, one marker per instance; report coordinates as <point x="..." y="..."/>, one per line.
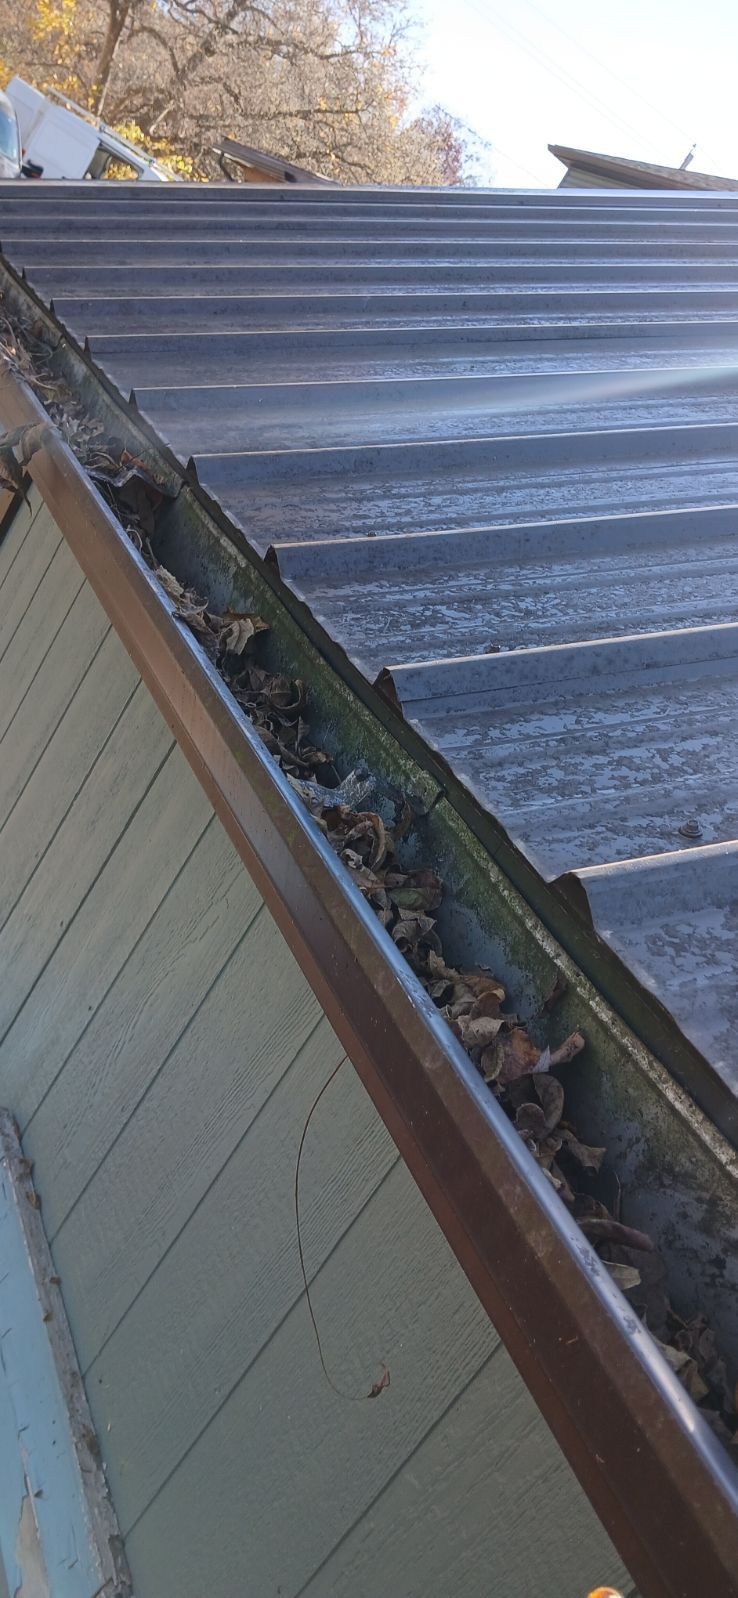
<point x="660" y="1481"/>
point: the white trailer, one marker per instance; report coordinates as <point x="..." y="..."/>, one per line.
<point x="65" y="141"/>
<point x="10" y="156"/>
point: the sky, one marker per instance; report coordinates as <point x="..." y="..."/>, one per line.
<point x="643" y="78"/>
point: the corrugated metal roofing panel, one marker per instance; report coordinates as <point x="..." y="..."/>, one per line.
<point x="493" y="441"/>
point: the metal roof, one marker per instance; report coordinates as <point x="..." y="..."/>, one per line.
<point x="492" y="438"/>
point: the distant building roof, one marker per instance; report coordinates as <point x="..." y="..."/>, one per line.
<point x="617" y="170"/>
<point x="259" y="167"/>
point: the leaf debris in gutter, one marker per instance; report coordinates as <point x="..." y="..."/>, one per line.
<point x="518" y="1073"/>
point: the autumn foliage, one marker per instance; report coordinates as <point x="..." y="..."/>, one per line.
<point x="329" y="84"/>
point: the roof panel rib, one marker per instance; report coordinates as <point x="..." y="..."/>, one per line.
<point x="493" y="440"/>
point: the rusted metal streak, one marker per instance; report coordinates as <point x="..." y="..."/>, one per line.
<point x="662" y="1485"/>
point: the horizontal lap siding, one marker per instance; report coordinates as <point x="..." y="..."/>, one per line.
<point x="161" y="1050"/>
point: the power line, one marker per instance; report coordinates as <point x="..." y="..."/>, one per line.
<point x="498" y="150"/>
<point x="561" y="74"/>
<point x="584" y="50"/>
<point x="567" y="79"/>
<point x="636" y="93"/>
<point x="495" y="149"/>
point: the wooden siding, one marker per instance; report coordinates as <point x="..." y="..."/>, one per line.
<point x="161" y="1050"/>
<point x="577" y="177"/>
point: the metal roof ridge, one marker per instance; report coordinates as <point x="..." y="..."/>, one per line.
<point x="558" y="666"/>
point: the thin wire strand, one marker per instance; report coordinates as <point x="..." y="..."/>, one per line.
<point x="569" y="81"/>
<point x="616" y="77"/>
<point x="377" y="1387"/>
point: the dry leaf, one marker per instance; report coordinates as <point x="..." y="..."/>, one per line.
<point x="626" y="1276"/>
<point x="476" y="1032"/>
<point x="686" y="1369"/>
<point x="589" y="1158"/>
<point x="171" y="584"/>
<point x="551" y="1095"/>
<point x="567" y="1050"/>
<point x="490" y="1001"/>
<point x="239" y="630"/>
<point x="609" y="1231"/>
<point x="530" y="1121"/>
<point x="515" y="1054"/>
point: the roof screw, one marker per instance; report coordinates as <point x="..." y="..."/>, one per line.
<point x="691" y="828"/>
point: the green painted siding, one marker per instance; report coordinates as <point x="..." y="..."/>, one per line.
<point x="578" y="178"/>
<point x="161" y="1050"/>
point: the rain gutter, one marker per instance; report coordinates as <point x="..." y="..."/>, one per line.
<point x="661" y="1483"/>
<point x="562" y="903"/>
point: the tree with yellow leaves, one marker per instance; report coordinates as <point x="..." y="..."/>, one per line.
<point x="329" y="84"/>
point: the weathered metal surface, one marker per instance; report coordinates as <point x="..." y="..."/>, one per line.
<point x="649" y="1463"/>
<point x="58" y="1533"/>
<point x="526" y="401"/>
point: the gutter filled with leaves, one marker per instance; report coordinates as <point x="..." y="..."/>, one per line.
<point x="369" y="843"/>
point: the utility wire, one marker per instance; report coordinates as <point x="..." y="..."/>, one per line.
<point x="498" y="150"/>
<point x="572" y="84"/>
<point x="585" y="50"/>
<point x="637" y="94"/>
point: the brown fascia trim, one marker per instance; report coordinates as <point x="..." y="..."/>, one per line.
<point x="662" y="1485"/>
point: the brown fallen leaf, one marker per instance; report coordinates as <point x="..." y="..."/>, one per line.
<point x="589" y="1158"/>
<point x="513" y="1054"/>
<point x="477" y="1031"/>
<point x="609" y="1231"/>
<point x="239" y="629"/>
<point x="548" y="1150"/>
<point x="489" y="1001"/>
<point x="26" y="441"/>
<point x="686" y="1369"/>
<point x="530" y="1121"/>
<point x="171" y="584"/>
<point x="551" y="1096"/>
<point x="420" y="890"/>
<point x="565" y="1191"/>
<point x="566" y="1051"/>
<point x="626" y="1276"/>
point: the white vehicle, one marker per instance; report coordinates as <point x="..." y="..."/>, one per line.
<point x="61" y="140"/>
<point x="10" y="150"/>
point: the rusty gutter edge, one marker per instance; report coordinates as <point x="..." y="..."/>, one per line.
<point x="661" y="1483"/>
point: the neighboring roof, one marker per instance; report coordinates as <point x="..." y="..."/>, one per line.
<point x="638" y="174"/>
<point x="258" y="167"/>
<point x="491" y="439"/>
